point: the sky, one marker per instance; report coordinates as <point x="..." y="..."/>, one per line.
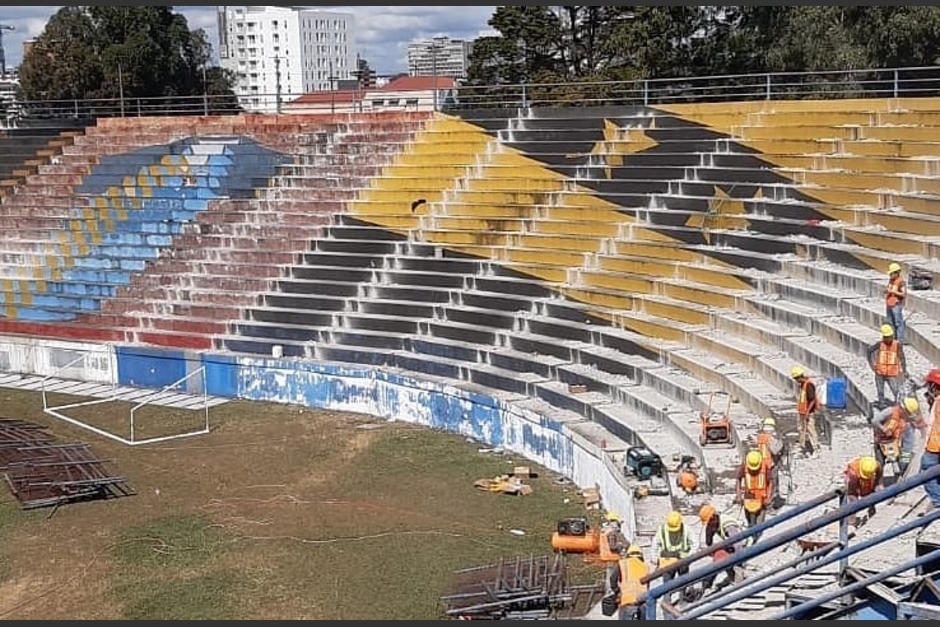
<point x="382" y="33"/>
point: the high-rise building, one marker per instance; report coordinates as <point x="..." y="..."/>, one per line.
<point x="365" y="74"/>
<point x="286" y="50"/>
<point x="442" y="56"/>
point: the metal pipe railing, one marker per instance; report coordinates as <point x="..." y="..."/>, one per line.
<point x="756" y="586"/>
<point x="864" y="583"/>
<point x="840" y="515"/>
<point x="744" y="535"/>
<point x="870" y="82"/>
<point x="750" y="581"/>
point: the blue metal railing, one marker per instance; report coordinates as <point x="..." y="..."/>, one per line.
<point x="761" y="582"/>
<point x="859" y="585"/>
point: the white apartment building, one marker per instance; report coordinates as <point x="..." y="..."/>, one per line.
<point x="292" y="47"/>
<point x="440" y="55"/>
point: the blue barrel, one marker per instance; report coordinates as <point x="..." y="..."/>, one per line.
<point x="835" y="393"/>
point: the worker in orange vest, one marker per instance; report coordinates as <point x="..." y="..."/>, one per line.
<point x="887" y="360"/>
<point x="806" y="406"/>
<point x="754" y="489"/>
<point x="687" y="477"/>
<point x="894" y="300"/>
<point x="862" y="477"/>
<point x="611" y="543"/>
<point x="894" y="431"/>
<point x="771" y="447"/>
<point x="631" y="569"/>
<point x="932" y="383"/>
<point x="931" y="456"/>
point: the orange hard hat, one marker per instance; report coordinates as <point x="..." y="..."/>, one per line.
<point x="705" y="514"/>
<point x="688" y="480"/>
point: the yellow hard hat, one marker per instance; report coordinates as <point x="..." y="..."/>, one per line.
<point x="674" y="521"/>
<point x="635" y="551"/>
<point x="705" y="514"/>
<point x="769" y="422"/>
<point x="867" y="467"/>
<point x="754" y="460"/>
<point x="752" y="505"/>
<point x="796" y="372"/>
<point x="612" y="517"/>
<point x="894" y="267"/>
<point x="911" y="404"/>
<point x="887" y="330"/>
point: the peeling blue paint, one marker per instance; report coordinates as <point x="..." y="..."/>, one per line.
<point x="393" y="396"/>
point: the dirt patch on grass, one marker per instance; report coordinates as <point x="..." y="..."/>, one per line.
<point x="280" y="512"/>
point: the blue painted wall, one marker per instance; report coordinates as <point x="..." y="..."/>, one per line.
<point x="385" y="395"/>
<point x="151" y="368"/>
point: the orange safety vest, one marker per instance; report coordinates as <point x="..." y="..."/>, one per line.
<point x="763" y="443"/>
<point x="756" y="485"/>
<point x="803" y="406"/>
<point x="865" y="486"/>
<point x="632" y="569"/>
<point x="895" y="426"/>
<point x="891" y="300"/>
<point x="933" y="440"/>
<point x="889" y="361"/>
<point x="606" y="555"/>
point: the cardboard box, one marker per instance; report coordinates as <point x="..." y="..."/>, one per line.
<point x="592" y="497"/>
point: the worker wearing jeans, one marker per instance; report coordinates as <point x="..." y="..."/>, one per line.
<point x="931" y="455"/>
<point x="894" y="301"/>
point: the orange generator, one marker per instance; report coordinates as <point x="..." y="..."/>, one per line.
<point x="716" y="427"/>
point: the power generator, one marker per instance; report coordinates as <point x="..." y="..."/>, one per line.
<point x="716" y="426"/>
<point x="643" y="463"/>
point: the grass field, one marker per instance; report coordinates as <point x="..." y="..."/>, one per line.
<point x="280" y="512"/>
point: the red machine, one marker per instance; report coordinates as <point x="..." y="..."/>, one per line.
<point x="716" y="427"/>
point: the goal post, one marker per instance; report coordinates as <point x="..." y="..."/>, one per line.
<point x="151" y="399"/>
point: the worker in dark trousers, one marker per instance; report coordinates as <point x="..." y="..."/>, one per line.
<point x="626" y="585"/>
<point x="723" y="527"/>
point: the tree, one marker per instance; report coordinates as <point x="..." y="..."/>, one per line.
<point x="529" y="47"/>
<point x="91" y="52"/>
<point x="573" y="43"/>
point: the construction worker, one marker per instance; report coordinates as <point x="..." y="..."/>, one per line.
<point x="894" y="300"/>
<point x="632" y="568"/>
<point x="611" y="543"/>
<point x="887" y="360"/>
<point x="673" y="542"/>
<point x="771" y="447"/>
<point x="754" y="489"/>
<point x="932" y="383"/>
<point x="931" y="456"/>
<point x="894" y="432"/>
<point x="687" y="477"/>
<point x="724" y="527"/>
<point x="862" y="477"/>
<point x="806" y="406"/>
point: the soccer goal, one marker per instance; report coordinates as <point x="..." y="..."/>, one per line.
<point x="172" y="412"/>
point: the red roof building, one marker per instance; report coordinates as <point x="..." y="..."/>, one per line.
<point x="410" y="93"/>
